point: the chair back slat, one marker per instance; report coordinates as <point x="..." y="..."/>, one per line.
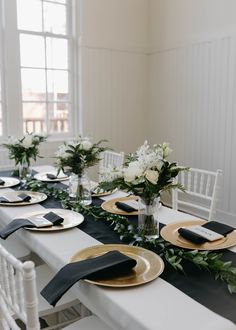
<point x="201" y="189"/>
<point x="110" y="159"/>
<point x="195" y="181"/>
<point x="17" y="292"/>
<point x="208" y="183"/>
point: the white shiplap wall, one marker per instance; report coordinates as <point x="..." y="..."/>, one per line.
<point x="193" y="105"/>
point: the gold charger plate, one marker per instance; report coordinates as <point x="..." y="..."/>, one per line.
<point x="71" y="219"/>
<point x="36" y="197"/>
<point x="170" y="234"/>
<point x="100" y="194"/>
<point x="149" y="264"/>
<point x="42" y="176"/>
<point x="110" y="206"/>
<point x="9" y="182"/>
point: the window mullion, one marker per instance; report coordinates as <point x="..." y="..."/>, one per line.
<point x="12" y="68"/>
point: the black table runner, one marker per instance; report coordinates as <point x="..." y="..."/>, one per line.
<point x="198" y="284"/>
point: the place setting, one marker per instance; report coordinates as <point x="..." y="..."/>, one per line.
<point x="51" y="176"/>
<point x="109" y="265"/>
<point x="21" y="198"/>
<point x="97" y="191"/>
<point x="48" y="220"/>
<point x="199" y="234"/>
<point x="128" y="205"/>
<point x="7" y="182"/>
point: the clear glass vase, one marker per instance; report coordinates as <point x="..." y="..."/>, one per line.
<point x="80" y="189"/>
<point x="24" y="170"/>
<point x="148" y="223"/>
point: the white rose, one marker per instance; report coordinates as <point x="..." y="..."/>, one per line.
<point x="86" y="145"/>
<point x="27" y="142"/>
<point x="132" y="171"/>
<point x="152" y="176"/>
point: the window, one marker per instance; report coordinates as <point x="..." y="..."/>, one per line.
<point x="44" y="44"/>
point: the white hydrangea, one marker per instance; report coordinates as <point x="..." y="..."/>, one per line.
<point x="110" y="173"/>
<point x="149" y="158"/>
<point x="61" y="152"/>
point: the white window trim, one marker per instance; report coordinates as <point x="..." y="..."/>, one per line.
<point x="12" y="98"/>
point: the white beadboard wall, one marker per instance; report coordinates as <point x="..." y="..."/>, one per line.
<point x="192" y="106"/>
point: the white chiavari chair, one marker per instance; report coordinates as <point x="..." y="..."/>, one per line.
<point x="201" y="192"/>
<point x="111" y="159"/>
<point x="19" y="298"/>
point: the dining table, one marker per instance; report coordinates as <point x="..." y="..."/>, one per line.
<point x="194" y="300"/>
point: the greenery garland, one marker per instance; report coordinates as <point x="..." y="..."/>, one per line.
<point x="175" y="256"/>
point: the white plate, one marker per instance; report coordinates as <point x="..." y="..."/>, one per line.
<point x="71" y="219"/>
<point x="9" y="182"/>
<point x="42" y="176"/>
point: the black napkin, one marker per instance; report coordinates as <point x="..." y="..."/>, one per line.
<point x="2" y="182"/>
<point x="51" y="176"/>
<point x="125" y="207"/>
<point x="109" y="265"/>
<point x="21" y="223"/>
<point x="23" y="198"/>
<point x="215" y="226"/>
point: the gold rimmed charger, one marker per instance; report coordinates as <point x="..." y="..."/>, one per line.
<point x="36" y="197"/>
<point x="94" y="186"/>
<point x="149" y="264"/>
<point x="9" y="182"/>
<point x="110" y="206"/>
<point x="170" y="234"/>
<point x="42" y="176"/>
<point x="71" y="219"/>
<point x="104" y="193"/>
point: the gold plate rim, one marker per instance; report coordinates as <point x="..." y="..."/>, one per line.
<point x="140" y="275"/>
<point x="110" y="206"/>
<point x="40" y="177"/>
<point x="61" y="212"/>
<point x="170" y="234"/>
<point x="14" y="181"/>
<point x="34" y="194"/>
<point x="106" y="193"/>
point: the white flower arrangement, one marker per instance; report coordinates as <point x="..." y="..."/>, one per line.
<point x="25" y="148"/>
<point x="78" y="154"/>
<point x="146" y="172"/>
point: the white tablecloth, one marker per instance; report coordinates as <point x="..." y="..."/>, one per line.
<point x="153" y="306"/>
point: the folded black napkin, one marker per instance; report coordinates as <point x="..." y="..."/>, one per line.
<point x="215" y="226"/>
<point x="125" y="207"/>
<point x="19" y="199"/>
<point x="109" y="265"/>
<point x="21" y="223"/>
<point x="2" y="182"/>
<point x="51" y="176"/>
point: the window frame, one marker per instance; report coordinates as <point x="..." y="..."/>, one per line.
<point x="13" y="101"/>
